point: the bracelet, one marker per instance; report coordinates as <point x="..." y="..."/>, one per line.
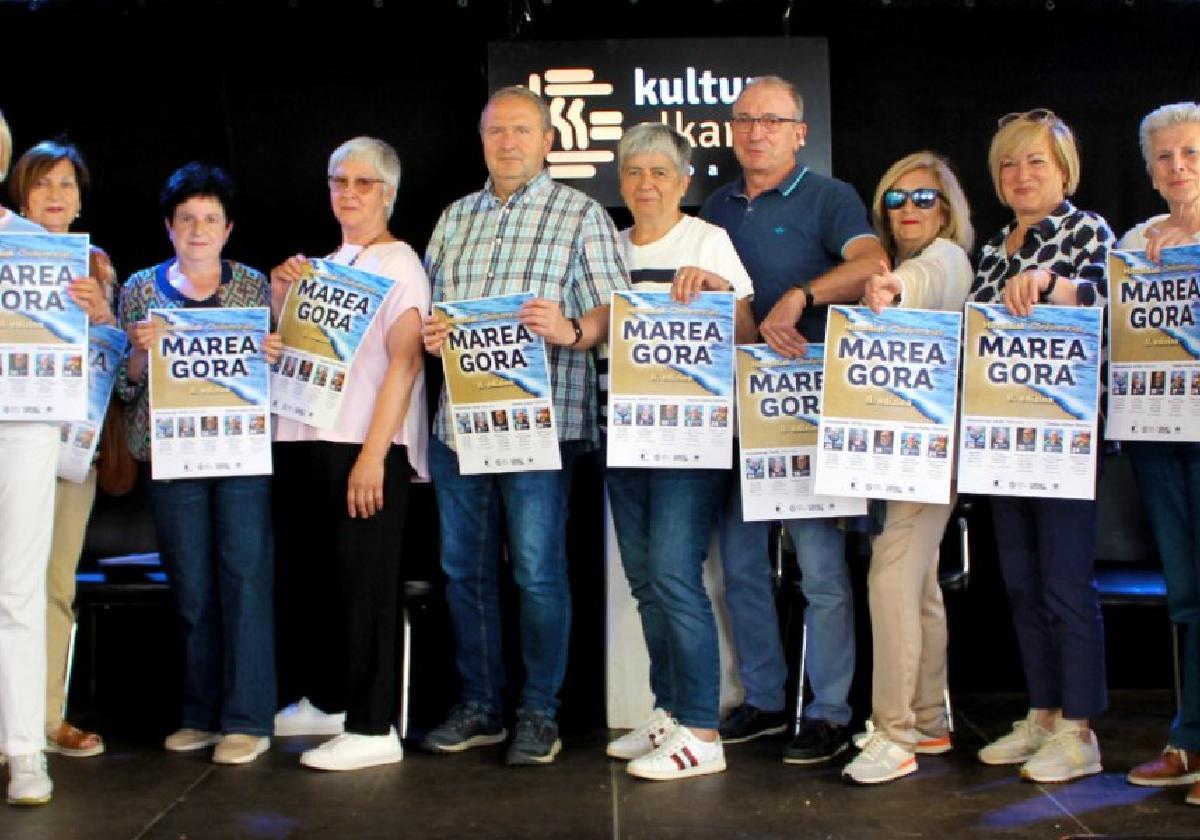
<point x="578" y="331"/>
<point x="1044" y="295"/>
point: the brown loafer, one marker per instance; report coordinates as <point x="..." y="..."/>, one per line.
<point x="1175" y="766"/>
<point x="71" y="741"/>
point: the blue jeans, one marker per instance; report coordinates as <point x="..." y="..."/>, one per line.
<point x="1047" y="551"/>
<point x="663" y="519"/>
<point x="473" y="511"/>
<point x="828" y="618"/>
<point x="214" y="535"/>
<point x="1169" y="476"/>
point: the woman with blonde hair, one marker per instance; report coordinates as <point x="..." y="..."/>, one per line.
<point x="923" y="222"/>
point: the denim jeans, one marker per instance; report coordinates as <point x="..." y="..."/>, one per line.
<point x="474" y="511"/>
<point x="1047" y="551"/>
<point x="1169" y="477"/>
<point x="663" y="519"/>
<point x="214" y="535"/>
<point x="828" y="618"/>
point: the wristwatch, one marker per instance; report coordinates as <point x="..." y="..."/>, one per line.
<point x="578" y="331"/>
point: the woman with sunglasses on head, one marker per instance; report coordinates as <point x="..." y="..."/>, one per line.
<point x="342" y="492"/>
<point x="924" y="224"/>
<point x="48" y="183"/>
<point x="1168" y="473"/>
<point x="1052" y="252"/>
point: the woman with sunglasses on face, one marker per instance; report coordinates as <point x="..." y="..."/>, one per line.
<point x="48" y="183"/>
<point x="924" y="224"/>
<point x="1052" y="252"/>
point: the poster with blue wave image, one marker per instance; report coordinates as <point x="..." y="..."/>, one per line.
<point x="324" y="318"/>
<point x="43" y="333"/>
<point x="210" y="393"/>
<point x="78" y="440"/>
<point x="1154" y="345"/>
<point x="891" y="391"/>
<point x="671" y="381"/>
<point x="1031" y="388"/>
<point x="498" y="383"/>
<point x="779" y="414"/>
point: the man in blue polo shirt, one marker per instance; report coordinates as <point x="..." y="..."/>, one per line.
<point x="806" y="242"/>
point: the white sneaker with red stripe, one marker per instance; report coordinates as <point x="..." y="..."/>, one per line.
<point x="681" y="755"/>
<point x="644" y="739"/>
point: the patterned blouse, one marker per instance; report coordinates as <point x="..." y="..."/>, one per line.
<point x="149" y="289"/>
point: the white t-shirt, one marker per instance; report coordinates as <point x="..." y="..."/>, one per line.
<point x="1135" y="239"/>
<point x="937" y="278"/>
<point x="397" y="261"/>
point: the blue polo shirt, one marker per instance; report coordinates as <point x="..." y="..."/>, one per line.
<point x="790" y="234"/>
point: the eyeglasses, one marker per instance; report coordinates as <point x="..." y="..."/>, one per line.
<point x="744" y="123"/>
<point x="362" y="186"/>
<point x="922" y="198"/>
<point x="1036" y="115"/>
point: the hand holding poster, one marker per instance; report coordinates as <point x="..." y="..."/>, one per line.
<point x="779" y="411"/>
<point x="499" y="387"/>
<point x="670" y="380"/>
<point x="43" y="333"/>
<point x="1030" y="393"/>
<point x="77" y="449"/>
<point x="209" y="393"/>
<point x="324" y="318"/>
<point x="891" y="389"/>
<point x="1154" y="345"/>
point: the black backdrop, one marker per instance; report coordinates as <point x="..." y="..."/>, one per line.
<point x="267" y="89"/>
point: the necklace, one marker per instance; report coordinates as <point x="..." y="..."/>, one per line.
<point x="383" y="235"/>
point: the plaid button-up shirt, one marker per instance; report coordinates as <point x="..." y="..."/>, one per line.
<point x="548" y="239"/>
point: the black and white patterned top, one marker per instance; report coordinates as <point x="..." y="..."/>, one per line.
<point x="1071" y="243"/>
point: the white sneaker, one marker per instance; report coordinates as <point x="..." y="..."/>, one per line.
<point x="681" y="755"/>
<point x="881" y="760"/>
<point x="1018" y="746"/>
<point x="1064" y="757"/>
<point x="350" y="751"/>
<point x="644" y="739"/>
<point x="28" y="781"/>
<point x="186" y="740"/>
<point x="303" y="718"/>
<point x="926" y="744"/>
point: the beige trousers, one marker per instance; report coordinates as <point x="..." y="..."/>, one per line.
<point x="908" y="623"/>
<point x="72" y="508"/>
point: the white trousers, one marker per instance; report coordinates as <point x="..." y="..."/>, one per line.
<point x="28" y="460"/>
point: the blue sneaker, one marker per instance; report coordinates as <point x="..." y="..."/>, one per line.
<point x="468" y="725"/>
<point x="536" y="741"/>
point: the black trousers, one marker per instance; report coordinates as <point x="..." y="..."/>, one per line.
<point x="338" y="584"/>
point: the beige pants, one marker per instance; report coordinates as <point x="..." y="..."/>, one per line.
<point x="908" y="623"/>
<point x="72" y="508"/>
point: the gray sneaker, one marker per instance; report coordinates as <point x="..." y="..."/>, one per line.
<point x="536" y="741"/>
<point x="468" y="725"/>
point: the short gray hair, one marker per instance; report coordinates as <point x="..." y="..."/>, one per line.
<point x="5" y="147"/>
<point x="519" y="92"/>
<point x="651" y="137"/>
<point x="779" y="82"/>
<point x="376" y="153"/>
<point x="1167" y="116"/>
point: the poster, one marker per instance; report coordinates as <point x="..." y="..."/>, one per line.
<point x="891" y="390"/>
<point x="498" y="382"/>
<point x="1030" y="393"/>
<point x="43" y="333"/>
<point x="323" y="321"/>
<point x="209" y="393"/>
<point x="779" y="412"/>
<point x="1154" y="345"/>
<point x="671" y="380"/>
<point x="78" y="440"/>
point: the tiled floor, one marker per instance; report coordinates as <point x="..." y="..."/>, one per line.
<point x="137" y="791"/>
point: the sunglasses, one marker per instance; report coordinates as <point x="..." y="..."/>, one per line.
<point x="1036" y="115"/>
<point x="923" y="198"/>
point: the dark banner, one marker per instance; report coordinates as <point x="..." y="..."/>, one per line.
<point x="597" y="89"/>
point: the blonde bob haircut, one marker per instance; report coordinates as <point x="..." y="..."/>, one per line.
<point x="956" y="215"/>
<point x="1014" y="139"/>
<point x="5" y="147"/>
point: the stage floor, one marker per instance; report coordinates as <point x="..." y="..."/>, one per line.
<point x="137" y="790"/>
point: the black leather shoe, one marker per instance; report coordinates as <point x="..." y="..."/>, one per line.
<point x="746" y="722"/>
<point x="817" y="741"/>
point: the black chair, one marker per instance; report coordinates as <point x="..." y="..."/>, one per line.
<point x="1128" y="569"/>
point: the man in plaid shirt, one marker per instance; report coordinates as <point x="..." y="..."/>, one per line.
<point x="521" y="232"/>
